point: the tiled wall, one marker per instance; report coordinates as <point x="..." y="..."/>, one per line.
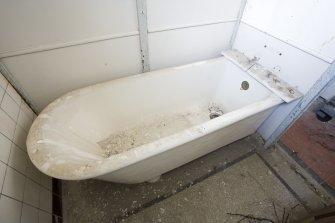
<point x="26" y="193"/>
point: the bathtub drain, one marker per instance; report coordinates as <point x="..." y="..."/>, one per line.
<point x="214" y="115"/>
<point x="214" y="111"/>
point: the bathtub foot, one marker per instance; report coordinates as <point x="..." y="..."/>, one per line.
<point x="155" y="179"/>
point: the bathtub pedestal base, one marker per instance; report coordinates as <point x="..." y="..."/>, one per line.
<point x="155" y="179"/>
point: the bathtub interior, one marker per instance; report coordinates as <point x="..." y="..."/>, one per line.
<point x="87" y="124"/>
<point x="100" y="110"/>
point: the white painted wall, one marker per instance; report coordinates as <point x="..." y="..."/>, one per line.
<point x="291" y="38"/>
<point x="182" y="46"/>
<point x="88" y="42"/>
<point x="303" y="23"/>
<point x="189" y="30"/>
<point x="35" y="23"/>
<point x="40" y="25"/>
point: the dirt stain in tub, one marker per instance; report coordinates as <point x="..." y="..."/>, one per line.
<point x="159" y="127"/>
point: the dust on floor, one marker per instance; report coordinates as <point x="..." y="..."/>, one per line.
<point x="238" y="179"/>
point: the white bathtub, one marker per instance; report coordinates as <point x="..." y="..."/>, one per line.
<point x="159" y="119"/>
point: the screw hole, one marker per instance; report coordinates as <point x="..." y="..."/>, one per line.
<point x="291" y="91"/>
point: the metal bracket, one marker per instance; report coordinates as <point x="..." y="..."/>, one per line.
<point x="143" y="29"/>
<point x="326" y="78"/>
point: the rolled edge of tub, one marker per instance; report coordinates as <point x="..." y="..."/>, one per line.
<point x="94" y="166"/>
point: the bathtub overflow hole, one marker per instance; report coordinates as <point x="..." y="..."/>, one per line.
<point x="244" y="85"/>
<point x="214" y="115"/>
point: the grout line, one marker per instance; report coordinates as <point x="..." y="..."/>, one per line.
<point x="24" y="190"/>
<point x="56" y="46"/>
<point x="6" y="92"/>
<point x="25" y="203"/>
<point x="3" y="93"/>
<point x="182" y="188"/>
<point x="189" y="26"/>
<point x="7" y="164"/>
<point x="237" y="23"/>
<point x="299" y="199"/>
<point x="3" y="183"/>
<point x="6" y="136"/>
<point x="9" y="116"/>
<point x="24" y="174"/>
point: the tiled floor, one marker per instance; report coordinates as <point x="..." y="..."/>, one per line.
<point x="314" y="143"/>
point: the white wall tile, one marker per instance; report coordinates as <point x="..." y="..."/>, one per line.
<point x="5" y="145"/>
<point x="46" y="181"/>
<point x="31" y="193"/>
<point x="182" y="46"/>
<point x="3" y="82"/>
<point x="18" y="159"/>
<point x="44" y="217"/>
<point x="7" y="126"/>
<point x="2" y="173"/>
<point x="32" y="172"/>
<point x="10" y="107"/>
<point x="27" y="110"/>
<point x="45" y="202"/>
<point x="24" y="120"/>
<point x="10" y="210"/>
<point x="14" y="184"/>
<point x="29" y="214"/>
<point x="12" y="92"/>
<point x="20" y="137"/>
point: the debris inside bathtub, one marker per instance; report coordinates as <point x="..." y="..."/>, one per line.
<point x="214" y="111"/>
<point x="157" y="128"/>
